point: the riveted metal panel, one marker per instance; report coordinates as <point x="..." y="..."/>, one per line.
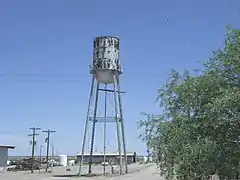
<point x="106" y="58"/>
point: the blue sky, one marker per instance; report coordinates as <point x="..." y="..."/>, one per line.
<point x="46" y="50"/>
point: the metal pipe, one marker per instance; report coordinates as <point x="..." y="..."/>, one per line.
<point x="117" y="122"/>
<point x="86" y="127"/>
<point x="93" y="130"/>
<point x="122" y="125"/>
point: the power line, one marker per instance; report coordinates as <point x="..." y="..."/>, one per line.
<point x="47" y="140"/>
<point x="42" y="76"/>
<point x="34" y="134"/>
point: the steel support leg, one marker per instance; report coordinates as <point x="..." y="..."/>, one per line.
<point x="86" y="126"/>
<point x="122" y="125"/>
<point x="93" y="129"/>
<point x="104" y="130"/>
<point x="117" y="122"/>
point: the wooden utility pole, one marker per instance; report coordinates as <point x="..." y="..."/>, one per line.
<point x="47" y="140"/>
<point x="34" y="134"/>
<point x="41" y="155"/>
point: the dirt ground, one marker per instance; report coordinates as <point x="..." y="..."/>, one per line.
<point x="136" y="171"/>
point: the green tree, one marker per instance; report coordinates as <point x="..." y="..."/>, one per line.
<point x="198" y="132"/>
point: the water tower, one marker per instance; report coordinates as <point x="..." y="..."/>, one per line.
<point x="106" y="70"/>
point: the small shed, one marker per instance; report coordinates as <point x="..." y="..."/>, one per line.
<point x="4" y="156"/>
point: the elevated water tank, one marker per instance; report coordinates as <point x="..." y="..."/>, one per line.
<point x="106" y="61"/>
<point x="63" y="160"/>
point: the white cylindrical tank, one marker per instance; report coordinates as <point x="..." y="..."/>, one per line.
<point x="145" y="159"/>
<point x="63" y="160"/>
<point x="71" y="162"/>
<point x="106" y="62"/>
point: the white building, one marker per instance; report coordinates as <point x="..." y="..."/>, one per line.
<point x="110" y="158"/>
<point x="4" y="156"/>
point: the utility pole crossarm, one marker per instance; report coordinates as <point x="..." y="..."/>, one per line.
<point x="36" y="134"/>
<point x="49" y="131"/>
<point x="34" y="128"/>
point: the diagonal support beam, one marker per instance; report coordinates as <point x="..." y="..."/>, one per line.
<point x="102" y="119"/>
<point x="110" y="90"/>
